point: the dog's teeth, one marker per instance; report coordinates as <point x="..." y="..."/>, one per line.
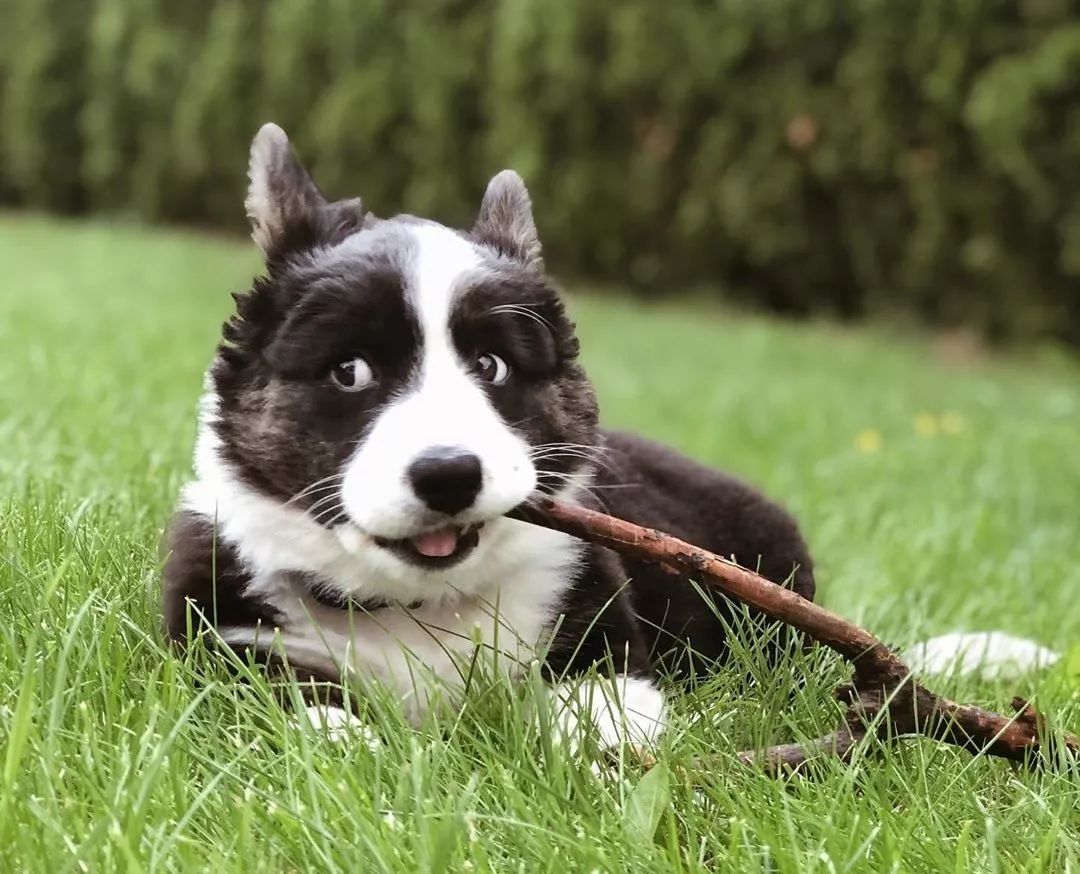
<point x="436" y="544"/>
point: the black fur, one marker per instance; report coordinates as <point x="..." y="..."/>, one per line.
<point x="283" y="424"/>
<point x="596" y="624"/>
<point x="206" y="586"/>
<point x="206" y="582"/>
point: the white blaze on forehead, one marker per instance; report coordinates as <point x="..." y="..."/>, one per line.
<point x="444" y="406"/>
<point x="444" y="258"/>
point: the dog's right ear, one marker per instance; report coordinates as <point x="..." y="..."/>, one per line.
<point x="506" y="221"/>
<point x="288" y="212"/>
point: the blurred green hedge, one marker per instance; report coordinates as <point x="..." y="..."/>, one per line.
<point x="919" y="159"/>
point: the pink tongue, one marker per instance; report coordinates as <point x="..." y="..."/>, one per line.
<point x="436" y="544"/>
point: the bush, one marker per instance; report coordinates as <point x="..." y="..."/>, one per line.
<point x="873" y="156"/>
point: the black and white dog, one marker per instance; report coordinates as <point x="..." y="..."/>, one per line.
<point x="382" y="397"/>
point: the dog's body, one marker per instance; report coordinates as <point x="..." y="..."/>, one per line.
<point x="383" y="397"/>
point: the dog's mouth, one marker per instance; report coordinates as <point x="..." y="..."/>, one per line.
<point x="436" y="549"/>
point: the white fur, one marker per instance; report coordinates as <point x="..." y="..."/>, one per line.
<point x="626" y="710"/>
<point x="990" y="654"/>
<point x="447" y="408"/>
<point x="338" y="725"/>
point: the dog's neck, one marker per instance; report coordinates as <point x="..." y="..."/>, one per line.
<point x="333" y="599"/>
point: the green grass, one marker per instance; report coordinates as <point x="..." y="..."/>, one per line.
<point x="935" y="497"/>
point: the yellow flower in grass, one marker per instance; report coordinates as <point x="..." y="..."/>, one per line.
<point x="952" y="422"/>
<point x="869" y="440"/>
<point x="926" y="425"/>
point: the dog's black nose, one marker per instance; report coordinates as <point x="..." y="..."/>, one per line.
<point x="446" y="479"/>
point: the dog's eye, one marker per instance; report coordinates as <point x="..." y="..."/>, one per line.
<point x="352" y="375"/>
<point x="491" y="368"/>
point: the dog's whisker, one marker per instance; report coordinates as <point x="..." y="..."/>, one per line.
<point x="564" y="474"/>
<point x="338" y="518"/>
<point x="331" y="477"/>
<point x="580" y="450"/>
<point x="568" y="450"/>
<point x="611" y="486"/>
<point x="312" y="493"/>
<point x="560" y="479"/>
<point x="327" y="501"/>
<point x="329" y="496"/>
<point x="573" y="443"/>
<point x="518" y="310"/>
<point x="332" y="512"/>
<point x="318" y="484"/>
<point x="564" y="453"/>
<point x="555" y="456"/>
<point x="584" y="446"/>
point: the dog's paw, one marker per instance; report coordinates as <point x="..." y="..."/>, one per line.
<point x="337" y="725"/>
<point x="627" y="712"/>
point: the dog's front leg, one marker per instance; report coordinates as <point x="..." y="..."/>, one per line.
<point x="622" y="711"/>
<point x="598" y="662"/>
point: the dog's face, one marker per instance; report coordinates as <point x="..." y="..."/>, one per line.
<point x="396" y="378"/>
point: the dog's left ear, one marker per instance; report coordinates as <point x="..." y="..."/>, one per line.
<point x="288" y="212"/>
<point x="506" y="221"/>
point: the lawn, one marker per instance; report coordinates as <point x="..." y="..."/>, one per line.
<point x="936" y="496"/>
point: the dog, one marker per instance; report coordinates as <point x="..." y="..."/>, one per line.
<point x="381" y="398"/>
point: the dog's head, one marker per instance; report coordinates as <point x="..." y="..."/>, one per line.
<point x="397" y="378"/>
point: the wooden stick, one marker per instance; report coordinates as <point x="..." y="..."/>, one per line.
<point x="884" y="699"/>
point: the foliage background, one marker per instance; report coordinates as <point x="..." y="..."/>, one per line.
<point x="914" y="159"/>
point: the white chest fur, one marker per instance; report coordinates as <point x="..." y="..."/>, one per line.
<point x="417" y="652"/>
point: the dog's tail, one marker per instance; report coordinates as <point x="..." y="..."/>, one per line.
<point x="987" y="654"/>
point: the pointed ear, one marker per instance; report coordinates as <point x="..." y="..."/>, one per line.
<point x="506" y="221"/>
<point x="282" y="200"/>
